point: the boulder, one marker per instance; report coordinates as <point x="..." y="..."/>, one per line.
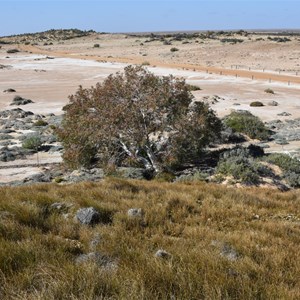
<point x="135" y="213"/>
<point x="88" y="216"/>
<point x="162" y="254"/>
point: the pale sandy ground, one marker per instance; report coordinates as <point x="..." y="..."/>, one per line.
<point x="48" y="82"/>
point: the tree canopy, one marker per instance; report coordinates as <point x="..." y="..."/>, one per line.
<point x="136" y="118"/>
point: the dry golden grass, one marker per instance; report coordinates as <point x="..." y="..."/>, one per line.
<point x="193" y="222"/>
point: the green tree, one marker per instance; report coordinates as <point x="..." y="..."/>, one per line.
<point x="138" y="118"/>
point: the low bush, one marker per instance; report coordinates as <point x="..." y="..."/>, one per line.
<point x="40" y="123"/>
<point x="174" y="49"/>
<point x="32" y="142"/>
<point x="269" y="91"/>
<point x="192" y="87"/>
<point x="256" y="104"/>
<point x="96" y="46"/>
<point x="246" y="123"/>
<point x="10" y="51"/>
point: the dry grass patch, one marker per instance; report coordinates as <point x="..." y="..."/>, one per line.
<point x="224" y="243"/>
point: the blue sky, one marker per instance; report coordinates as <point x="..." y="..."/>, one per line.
<point x="20" y="16"/>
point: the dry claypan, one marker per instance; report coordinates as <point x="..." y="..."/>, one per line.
<point x="237" y="74"/>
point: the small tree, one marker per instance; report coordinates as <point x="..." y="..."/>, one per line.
<point x="136" y="118"/>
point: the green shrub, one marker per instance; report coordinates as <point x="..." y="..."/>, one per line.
<point x="96" y="46"/>
<point x="40" y="123"/>
<point x="256" y="104"/>
<point x="240" y="168"/>
<point x="10" y="51"/>
<point x="284" y="161"/>
<point x="269" y="91"/>
<point x="173" y="49"/>
<point x="32" y="142"/>
<point x="245" y="122"/>
<point x="145" y="63"/>
<point x="192" y="87"/>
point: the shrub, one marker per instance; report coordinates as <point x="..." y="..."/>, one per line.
<point x="96" y="46"/>
<point x="173" y="49"/>
<point x="145" y="63"/>
<point x="193" y="87"/>
<point x="284" y="161"/>
<point x="269" y="91"/>
<point x="241" y="168"/>
<point x="40" y="123"/>
<point x="245" y="122"/>
<point x="136" y="115"/>
<point x="256" y="104"/>
<point x="32" y="143"/>
<point x="10" y="51"/>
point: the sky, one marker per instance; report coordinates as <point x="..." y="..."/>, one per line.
<point x="22" y="16"/>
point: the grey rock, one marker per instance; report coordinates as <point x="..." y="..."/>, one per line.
<point x="38" y="178"/>
<point x="162" y="254"/>
<point x="88" y="216"/>
<point x="132" y="173"/>
<point x="284" y="114"/>
<point x="20" y="101"/>
<point x="15" y="113"/>
<point x="135" y="213"/>
<point x="102" y="261"/>
<point x="229" y="252"/>
<point x="273" y="103"/>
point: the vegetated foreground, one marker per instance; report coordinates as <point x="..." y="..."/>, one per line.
<point x="216" y="242"/>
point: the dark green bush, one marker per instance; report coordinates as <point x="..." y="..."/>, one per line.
<point x="96" y="46"/>
<point x="174" y="49"/>
<point x="40" y="123"/>
<point x="256" y="104"/>
<point x="246" y="123"/>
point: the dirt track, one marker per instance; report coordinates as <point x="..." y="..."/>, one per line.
<point x="255" y="75"/>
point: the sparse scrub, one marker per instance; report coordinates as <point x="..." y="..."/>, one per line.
<point x="174" y="49"/>
<point x="256" y="104"/>
<point x="245" y="122"/>
<point x="96" y="45"/>
<point x="32" y="142"/>
<point x="40" y="123"/>
<point x="269" y="91"/>
<point x="224" y="243"/>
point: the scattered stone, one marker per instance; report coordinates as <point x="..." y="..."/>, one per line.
<point x="100" y="260"/>
<point x="38" y="178"/>
<point x="21" y="101"/>
<point x="284" y="114"/>
<point x="273" y="103"/>
<point x="162" y="254"/>
<point x="95" y="241"/>
<point x="16" y="113"/>
<point x="135" y="213"/>
<point x="230" y="253"/>
<point x="88" y="216"/>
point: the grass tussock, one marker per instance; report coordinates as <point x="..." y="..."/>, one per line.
<point x="197" y="223"/>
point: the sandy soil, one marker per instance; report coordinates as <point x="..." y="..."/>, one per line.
<point x="218" y="69"/>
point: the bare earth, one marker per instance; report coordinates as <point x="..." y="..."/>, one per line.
<point x="237" y="73"/>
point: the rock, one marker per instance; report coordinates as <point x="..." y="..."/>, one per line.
<point x="135" y="213"/>
<point x="228" y="252"/>
<point x="88" y="216"/>
<point x="284" y="114"/>
<point x="273" y="103"/>
<point x="132" y="173"/>
<point x="162" y="254"/>
<point x="38" y="178"/>
<point x="16" y="113"/>
<point x="95" y="241"/>
<point x="100" y="260"/>
<point x="20" y="101"/>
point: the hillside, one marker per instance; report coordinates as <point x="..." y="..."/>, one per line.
<point x="216" y="242"/>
